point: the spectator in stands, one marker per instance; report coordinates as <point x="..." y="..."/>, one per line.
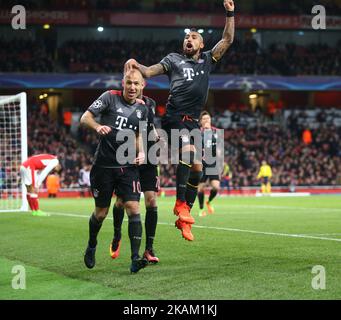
<point x="52" y="185"/>
<point x="271" y="109"/>
<point x="307" y="137"/>
<point x="107" y="56"/>
<point x="67" y="120"/>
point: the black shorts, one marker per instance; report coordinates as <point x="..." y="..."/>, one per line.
<point x="180" y="123"/>
<point x="149" y="179"/>
<point x="123" y="181"/>
<point x="209" y="177"/>
<point x="209" y="173"/>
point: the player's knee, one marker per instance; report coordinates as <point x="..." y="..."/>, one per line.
<point x="216" y="188"/>
<point x="150" y="199"/>
<point x="201" y="188"/>
<point x="119" y="203"/>
<point x="101" y="213"/>
<point x="151" y="202"/>
<point x="132" y="207"/>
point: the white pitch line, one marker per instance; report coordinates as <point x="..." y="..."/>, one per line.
<point x="289" y="235"/>
<point x="231" y="206"/>
<point x="321" y="234"/>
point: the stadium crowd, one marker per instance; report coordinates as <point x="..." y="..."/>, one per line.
<point x="294" y="160"/>
<point x="294" y="163"/>
<point x="105" y="56"/>
<point x="48" y="135"/>
<point x="25" y="55"/>
<point x="243" y="58"/>
<point x="195" y="6"/>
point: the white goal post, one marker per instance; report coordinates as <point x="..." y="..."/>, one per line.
<point x="13" y="151"/>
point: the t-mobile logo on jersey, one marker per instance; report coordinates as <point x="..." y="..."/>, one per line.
<point x="121" y="122"/>
<point x="189" y="74"/>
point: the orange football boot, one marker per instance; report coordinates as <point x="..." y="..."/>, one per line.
<point x="116" y="253"/>
<point x="151" y="257"/>
<point x="185" y="229"/>
<point x="182" y="210"/>
<point x="210" y="209"/>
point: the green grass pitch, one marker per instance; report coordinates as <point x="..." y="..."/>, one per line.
<point x="251" y="248"/>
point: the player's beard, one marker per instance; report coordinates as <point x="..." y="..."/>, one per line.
<point x="190" y="52"/>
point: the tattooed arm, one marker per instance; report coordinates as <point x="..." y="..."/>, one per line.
<point x="228" y="35"/>
<point x="147" y="72"/>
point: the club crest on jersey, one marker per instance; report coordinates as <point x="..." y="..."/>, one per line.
<point x="139" y="114"/>
<point x="97" y="104"/>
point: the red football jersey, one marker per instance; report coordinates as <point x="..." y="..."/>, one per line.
<point x="38" y="162"/>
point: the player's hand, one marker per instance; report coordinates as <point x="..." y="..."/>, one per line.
<point x="140" y="101"/>
<point x="140" y="158"/>
<point x="130" y="65"/>
<point x="103" y="130"/>
<point x="229" y="5"/>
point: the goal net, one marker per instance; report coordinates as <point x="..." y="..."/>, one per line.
<point x="13" y="151"/>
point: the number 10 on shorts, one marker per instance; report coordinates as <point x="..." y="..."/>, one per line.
<point x="136" y="186"/>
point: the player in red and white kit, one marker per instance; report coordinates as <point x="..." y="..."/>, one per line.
<point x="33" y="172"/>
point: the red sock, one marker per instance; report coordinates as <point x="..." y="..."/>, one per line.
<point x="34" y="200"/>
<point x="29" y="200"/>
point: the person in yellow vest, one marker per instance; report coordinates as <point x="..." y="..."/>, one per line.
<point x="265" y="173"/>
<point x="227" y="177"/>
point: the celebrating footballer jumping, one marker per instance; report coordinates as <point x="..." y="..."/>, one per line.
<point x="189" y="80"/>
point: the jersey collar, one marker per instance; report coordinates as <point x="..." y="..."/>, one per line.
<point x="192" y="60"/>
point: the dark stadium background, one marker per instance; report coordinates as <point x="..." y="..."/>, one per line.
<point x="279" y="79"/>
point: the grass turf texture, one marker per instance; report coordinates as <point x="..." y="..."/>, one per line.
<point x="230" y="258"/>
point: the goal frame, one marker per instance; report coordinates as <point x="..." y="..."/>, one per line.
<point x="22" y="97"/>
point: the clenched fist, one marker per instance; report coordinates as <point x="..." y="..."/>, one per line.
<point x="229" y="5"/>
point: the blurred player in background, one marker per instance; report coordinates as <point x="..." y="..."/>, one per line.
<point x="189" y="76"/>
<point x="33" y="172"/>
<point x="84" y="180"/>
<point x="209" y="134"/>
<point x="149" y="181"/>
<point x="265" y="174"/>
<point x="118" y="111"/>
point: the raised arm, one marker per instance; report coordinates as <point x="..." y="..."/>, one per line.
<point x="228" y="35"/>
<point x="147" y="72"/>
